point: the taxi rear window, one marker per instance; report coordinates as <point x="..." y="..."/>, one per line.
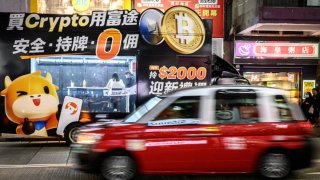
<point x="183" y="108"/>
<point x="236" y="106"/>
<point x="282" y="108"/>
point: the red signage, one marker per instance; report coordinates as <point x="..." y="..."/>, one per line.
<point x="284" y="50"/>
<point x="252" y="49"/>
<point x="206" y="9"/>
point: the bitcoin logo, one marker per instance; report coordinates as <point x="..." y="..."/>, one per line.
<point x="183" y="30"/>
<point x="187" y="28"/>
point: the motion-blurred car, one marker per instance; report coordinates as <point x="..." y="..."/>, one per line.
<point x="220" y="129"/>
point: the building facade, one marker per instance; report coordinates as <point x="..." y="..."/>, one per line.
<point x="276" y="43"/>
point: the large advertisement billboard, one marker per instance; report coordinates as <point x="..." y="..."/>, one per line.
<point x="206" y="9"/>
<point x="165" y="51"/>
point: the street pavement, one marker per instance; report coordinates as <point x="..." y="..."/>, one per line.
<point x="53" y="159"/>
<point x="20" y="150"/>
<point x="35" y="153"/>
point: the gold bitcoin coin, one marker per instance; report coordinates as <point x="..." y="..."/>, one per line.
<point x="183" y="30"/>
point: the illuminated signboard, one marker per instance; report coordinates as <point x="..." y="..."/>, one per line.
<point x="206" y="9"/>
<point x="275" y="49"/>
<point x="106" y="34"/>
<point x="307" y="86"/>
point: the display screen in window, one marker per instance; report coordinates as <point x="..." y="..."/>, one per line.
<point x="104" y="86"/>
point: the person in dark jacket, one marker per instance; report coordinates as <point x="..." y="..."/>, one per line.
<point x="316" y="106"/>
<point x="130" y="85"/>
<point x="305" y="106"/>
<point x="130" y="79"/>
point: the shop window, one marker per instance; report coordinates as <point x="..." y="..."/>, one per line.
<point x="236" y="107"/>
<point x="288" y="81"/>
<point x="86" y="77"/>
<point x="182" y="108"/>
<point x="67" y="6"/>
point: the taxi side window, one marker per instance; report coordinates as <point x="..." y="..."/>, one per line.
<point x="236" y="106"/>
<point x="182" y="108"/>
<point x="282" y="108"/>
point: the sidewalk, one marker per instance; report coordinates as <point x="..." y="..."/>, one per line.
<point x="6" y="137"/>
<point x="316" y="131"/>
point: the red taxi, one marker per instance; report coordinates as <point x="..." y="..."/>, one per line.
<point x="221" y="129"/>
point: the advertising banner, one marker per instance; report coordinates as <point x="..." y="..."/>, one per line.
<point x="105" y="34"/>
<point x="173" y="50"/>
<point x="161" y="78"/>
<point x="206" y="9"/>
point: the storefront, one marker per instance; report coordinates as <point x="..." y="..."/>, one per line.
<point x="56" y="56"/>
<point x="285" y="63"/>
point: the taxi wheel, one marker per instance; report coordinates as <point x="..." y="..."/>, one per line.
<point x="118" y="167"/>
<point x="71" y="132"/>
<point x="275" y="165"/>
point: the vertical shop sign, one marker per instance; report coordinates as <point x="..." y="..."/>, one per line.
<point x="206" y="9"/>
<point x="307" y="86"/>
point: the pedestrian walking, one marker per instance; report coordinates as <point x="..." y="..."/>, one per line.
<point x="316" y="107"/>
<point x="307" y="107"/>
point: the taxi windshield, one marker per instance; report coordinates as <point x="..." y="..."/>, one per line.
<point x="142" y="110"/>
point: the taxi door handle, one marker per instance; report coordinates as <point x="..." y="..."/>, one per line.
<point x="201" y="135"/>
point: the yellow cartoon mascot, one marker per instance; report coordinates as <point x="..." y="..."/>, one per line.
<point x="31" y="101"/>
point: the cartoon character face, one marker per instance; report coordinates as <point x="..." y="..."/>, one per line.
<point x="30" y="96"/>
<point x="72" y="108"/>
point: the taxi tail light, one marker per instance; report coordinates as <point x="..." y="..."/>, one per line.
<point x="305" y="127"/>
